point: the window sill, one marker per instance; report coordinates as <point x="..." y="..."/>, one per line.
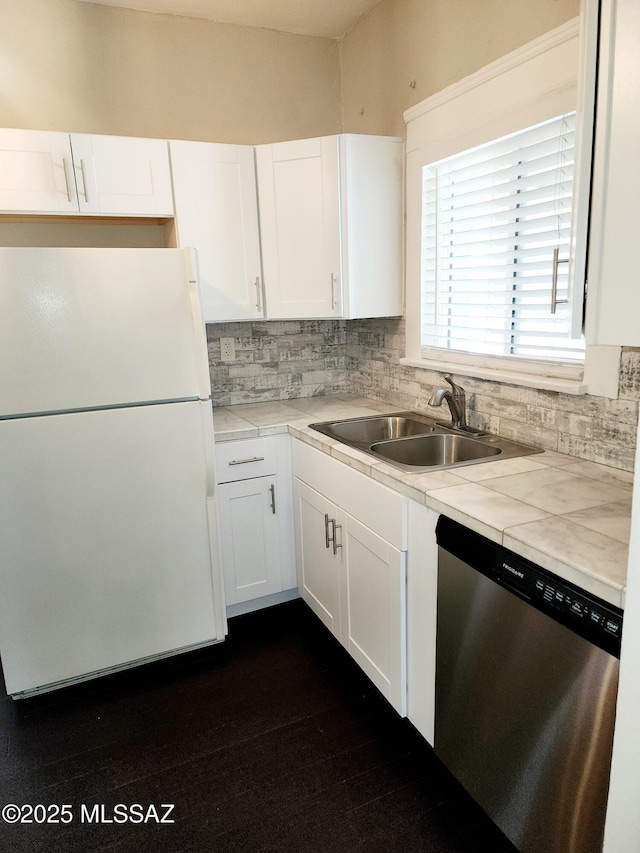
<point x="576" y="387"/>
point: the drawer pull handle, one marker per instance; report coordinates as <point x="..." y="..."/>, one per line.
<point x="272" y="489"/>
<point x="244" y="461"/>
<point x="327" y="540"/>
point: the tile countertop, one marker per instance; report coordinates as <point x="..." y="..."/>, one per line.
<point x="569" y="516"/>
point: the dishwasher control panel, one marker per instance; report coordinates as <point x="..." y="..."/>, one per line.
<point x="544" y="588"/>
<point x="594" y="619"/>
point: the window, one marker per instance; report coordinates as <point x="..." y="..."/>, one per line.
<point x="496" y="225"/>
<point x="492" y="189"/>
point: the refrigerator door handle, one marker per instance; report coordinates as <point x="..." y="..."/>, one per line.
<point x="200" y="331"/>
<point x="209" y="451"/>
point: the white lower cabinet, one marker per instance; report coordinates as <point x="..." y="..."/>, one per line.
<point x="422" y="593"/>
<point x="255" y="522"/>
<point x="372" y="595"/>
<point x="318" y="565"/>
<point x="351" y="559"/>
<point x="249" y="539"/>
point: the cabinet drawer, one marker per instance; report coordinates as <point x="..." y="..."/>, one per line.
<point x="241" y="460"/>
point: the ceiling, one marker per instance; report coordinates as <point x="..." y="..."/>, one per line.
<point x="327" y="18"/>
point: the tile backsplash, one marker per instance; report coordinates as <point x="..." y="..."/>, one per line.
<point x="280" y="360"/>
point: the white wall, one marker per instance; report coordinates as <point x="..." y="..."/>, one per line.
<point x="403" y="51"/>
<point x="622" y="833"/>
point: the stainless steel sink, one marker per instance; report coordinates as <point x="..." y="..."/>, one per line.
<point x="413" y="442"/>
<point x="430" y="450"/>
<point x="435" y="450"/>
<point x="369" y="430"/>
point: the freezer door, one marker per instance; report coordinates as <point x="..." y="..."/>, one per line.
<point x="107" y="550"/>
<point x="86" y="328"/>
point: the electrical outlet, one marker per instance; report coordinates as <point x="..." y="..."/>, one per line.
<point x="227" y="349"/>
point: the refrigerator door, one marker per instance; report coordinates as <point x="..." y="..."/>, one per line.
<point x="90" y="328"/>
<point x="107" y="555"/>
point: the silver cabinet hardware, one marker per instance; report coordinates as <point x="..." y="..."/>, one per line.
<point x="554" y="281"/>
<point x="334" y="298"/>
<point x="272" y="489"/>
<point x="330" y="537"/>
<point x="334" y="538"/>
<point x="65" y="169"/>
<point x="244" y="461"/>
<point x="84" y="182"/>
<point x="258" y="294"/>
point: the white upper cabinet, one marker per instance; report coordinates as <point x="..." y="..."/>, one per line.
<point x="372" y="225"/>
<point x="49" y="173"/>
<point x="331" y="224"/>
<point x="36" y="172"/>
<point x="216" y="211"/>
<point x="613" y="301"/>
<point x="125" y="176"/>
<point x="298" y="186"/>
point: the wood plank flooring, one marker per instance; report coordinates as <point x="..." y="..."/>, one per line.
<point x="273" y="742"/>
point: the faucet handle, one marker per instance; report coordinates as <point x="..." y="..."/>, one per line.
<point x="457" y="389"/>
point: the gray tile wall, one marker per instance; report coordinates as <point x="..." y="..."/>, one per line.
<point x="278" y="360"/>
<point x="281" y="360"/>
<point x="593" y="428"/>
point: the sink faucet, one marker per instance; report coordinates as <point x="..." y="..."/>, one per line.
<point x="455" y="400"/>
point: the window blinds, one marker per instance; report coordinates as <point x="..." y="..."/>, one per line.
<point x="491" y="219"/>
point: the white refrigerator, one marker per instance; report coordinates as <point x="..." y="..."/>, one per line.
<point x="108" y="553"/>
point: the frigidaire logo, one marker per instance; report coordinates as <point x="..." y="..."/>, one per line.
<point x="513" y="571"/>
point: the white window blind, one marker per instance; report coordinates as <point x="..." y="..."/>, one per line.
<point x="491" y="220"/>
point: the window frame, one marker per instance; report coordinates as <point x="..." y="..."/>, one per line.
<point x="557" y="71"/>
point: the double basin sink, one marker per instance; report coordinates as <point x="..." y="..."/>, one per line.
<point x="413" y="442"/>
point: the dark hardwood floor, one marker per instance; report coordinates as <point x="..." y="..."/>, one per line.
<point x="274" y="741"/>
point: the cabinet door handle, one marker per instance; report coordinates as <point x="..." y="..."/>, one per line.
<point x="272" y="489"/>
<point x="65" y="169"/>
<point x="334" y="301"/>
<point x="84" y="181"/>
<point x="327" y="540"/>
<point x="258" y="294"/>
<point x="334" y="538"/>
<point x="244" y="461"/>
<point x="554" y="281"/>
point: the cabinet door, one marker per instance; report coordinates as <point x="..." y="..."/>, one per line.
<point x="217" y="212"/>
<point x="373" y="606"/>
<point x="298" y="185"/>
<point x="36" y="172"/>
<point x="613" y="301"/>
<point x="372" y="225"/>
<point x="249" y="538"/>
<point x="123" y="176"/>
<point x="318" y="566"/>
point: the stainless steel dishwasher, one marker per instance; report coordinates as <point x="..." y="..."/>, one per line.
<point x="526" y="683"/>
